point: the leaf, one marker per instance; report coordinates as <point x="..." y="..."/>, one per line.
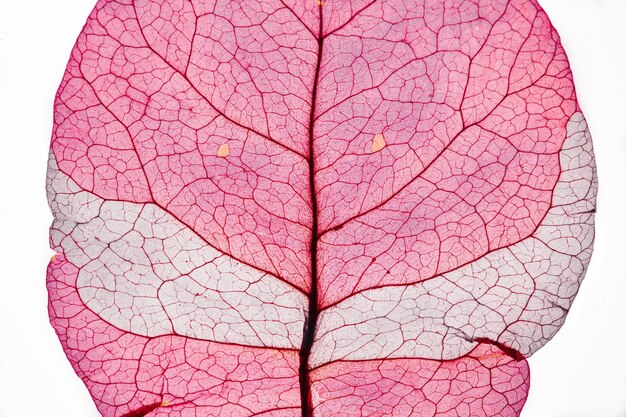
<point x="337" y="208"/>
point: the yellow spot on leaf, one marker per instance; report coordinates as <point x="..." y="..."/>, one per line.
<point x="164" y="404"/>
<point x="54" y="258"/>
<point x="492" y="356"/>
<point x="223" y="151"/>
<point x="320" y="2"/>
<point x="378" y="143"/>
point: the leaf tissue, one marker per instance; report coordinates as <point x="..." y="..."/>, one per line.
<point x="316" y="208"/>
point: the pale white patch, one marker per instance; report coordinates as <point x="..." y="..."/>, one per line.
<point x="143" y="271"/>
<point x="518" y="295"/>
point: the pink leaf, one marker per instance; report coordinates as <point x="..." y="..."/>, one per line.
<point x="331" y="208"/>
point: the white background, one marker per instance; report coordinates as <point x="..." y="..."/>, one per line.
<point x="580" y="373"/>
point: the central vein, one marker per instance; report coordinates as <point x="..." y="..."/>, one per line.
<point x="310" y="322"/>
